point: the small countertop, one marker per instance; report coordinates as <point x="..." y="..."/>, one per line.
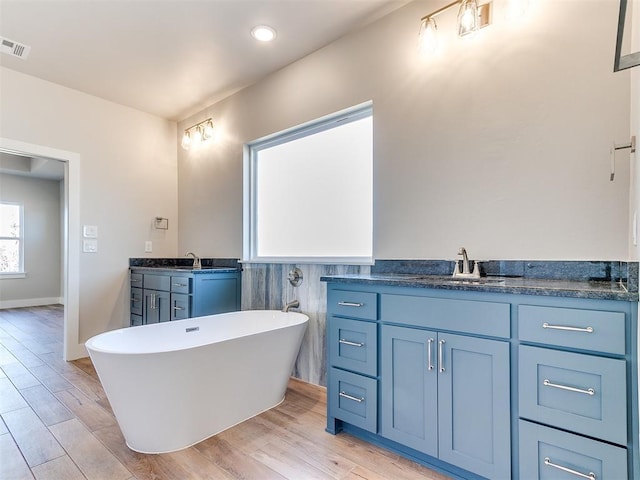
<point x="603" y="290"/>
<point x="167" y="269"/>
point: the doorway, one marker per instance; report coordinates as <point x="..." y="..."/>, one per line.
<point x="72" y="348"/>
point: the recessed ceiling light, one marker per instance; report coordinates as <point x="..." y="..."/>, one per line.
<point x="263" y="33"/>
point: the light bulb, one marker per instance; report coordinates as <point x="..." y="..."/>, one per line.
<point x="263" y="33"/>
<point x="468" y="17"/>
<point x="186" y="140"/>
<point x="428" y="36"/>
<point x="208" y="130"/>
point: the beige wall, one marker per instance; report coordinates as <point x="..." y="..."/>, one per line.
<point x="42" y="248"/>
<point x="127" y="177"/>
<point x="500" y="144"/>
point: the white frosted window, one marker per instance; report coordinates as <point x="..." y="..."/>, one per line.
<point x="311" y="192"/>
<point x="10" y="238"/>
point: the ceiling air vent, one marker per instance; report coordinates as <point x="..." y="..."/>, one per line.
<point x="14" y="49"/>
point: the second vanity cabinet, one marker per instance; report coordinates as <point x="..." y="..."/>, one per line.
<point x="163" y="295"/>
<point x="486" y="385"/>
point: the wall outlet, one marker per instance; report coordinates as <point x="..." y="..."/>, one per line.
<point x="90" y="231"/>
<point x="635" y="228"/>
<point x="148" y="246"/>
<point x="90" y="245"/>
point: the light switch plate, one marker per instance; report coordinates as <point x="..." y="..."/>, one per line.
<point x="90" y="246"/>
<point x="90" y="231"/>
<point x="148" y="246"/>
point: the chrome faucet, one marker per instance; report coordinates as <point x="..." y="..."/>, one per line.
<point x="466" y="271"/>
<point x="196" y="260"/>
<point x="292" y="304"/>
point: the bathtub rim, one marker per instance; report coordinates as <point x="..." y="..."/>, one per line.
<point x="90" y="343"/>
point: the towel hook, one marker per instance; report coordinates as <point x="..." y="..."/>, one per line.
<point x="631" y="145"/>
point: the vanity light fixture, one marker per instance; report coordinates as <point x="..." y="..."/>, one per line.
<point x="471" y="17"/>
<point x="198" y="133"/>
<point x="263" y="33"/>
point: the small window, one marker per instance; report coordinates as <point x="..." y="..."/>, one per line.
<point x="309" y="192"/>
<point x="11" y="238"/>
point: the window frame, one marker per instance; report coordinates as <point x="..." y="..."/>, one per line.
<point x="20" y="238"/>
<point x="251" y="149"/>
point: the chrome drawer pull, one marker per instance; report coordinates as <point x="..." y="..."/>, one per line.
<point x="180" y="285"/>
<point x="570" y="329"/>
<point x="135" y="279"/>
<point x="590" y="475"/>
<point x="351" y="397"/>
<point x="589" y="391"/>
<point x="178" y="308"/>
<point x="429" y="364"/>
<point x="353" y="344"/>
<point x="351" y="304"/>
<point x="441" y="355"/>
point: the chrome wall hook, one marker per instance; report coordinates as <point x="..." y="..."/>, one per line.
<point x="632" y="149"/>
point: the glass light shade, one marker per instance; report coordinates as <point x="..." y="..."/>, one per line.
<point x="428" y="36"/>
<point x="208" y="131"/>
<point x="186" y="140"/>
<point x="467" y="17"/>
<point x="197" y="136"/>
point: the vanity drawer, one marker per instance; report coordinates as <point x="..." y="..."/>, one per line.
<point x="353" y="304"/>
<point x="180" y="306"/>
<point x="353" y="398"/>
<point x="546" y="453"/>
<point x="136" y="280"/>
<point x="157" y="282"/>
<point x="136" y="301"/>
<point x="353" y="345"/>
<point x="595" y="330"/>
<point x="577" y="392"/>
<point x="468" y="316"/>
<point x="180" y="284"/>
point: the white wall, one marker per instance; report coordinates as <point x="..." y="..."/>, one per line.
<point x="42" y="248"/>
<point x="127" y="177"/>
<point x="501" y="144"/>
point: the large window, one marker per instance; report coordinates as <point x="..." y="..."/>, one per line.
<point x="11" y="238"/>
<point x="309" y="192"/>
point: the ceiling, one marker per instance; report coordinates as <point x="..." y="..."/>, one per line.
<point x="33" y="167"/>
<point x="171" y="58"/>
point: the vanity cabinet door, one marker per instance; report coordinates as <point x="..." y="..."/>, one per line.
<point x="409" y="388"/>
<point x="474" y="408"/>
<point x="157" y="306"/>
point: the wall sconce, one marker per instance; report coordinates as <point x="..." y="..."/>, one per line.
<point x="471" y="17"/>
<point x="198" y="133"/>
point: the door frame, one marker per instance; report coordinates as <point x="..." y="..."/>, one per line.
<point x="71" y="237"/>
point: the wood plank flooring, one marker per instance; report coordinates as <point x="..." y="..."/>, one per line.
<point x="57" y="424"/>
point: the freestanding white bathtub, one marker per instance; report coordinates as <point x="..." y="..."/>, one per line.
<point x="174" y="384"/>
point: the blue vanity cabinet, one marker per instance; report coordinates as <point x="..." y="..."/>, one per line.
<point x="486" y="385"/>
<point x="162" y="295"/>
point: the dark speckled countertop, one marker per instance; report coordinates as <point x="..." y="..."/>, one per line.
<point x="524" y="286"/>
<point x="169" y="269"/>
<point x="185" y="264"/>
<point x="596" y="280"/>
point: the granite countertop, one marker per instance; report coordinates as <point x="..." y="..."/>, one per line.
<point x="196" y="271"/>
<point x="604" y="290"/>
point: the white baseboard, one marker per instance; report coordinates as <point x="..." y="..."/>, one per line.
<point x="31" y="302"/>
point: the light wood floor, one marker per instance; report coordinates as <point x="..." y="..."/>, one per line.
<point x="57" y="424"/>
